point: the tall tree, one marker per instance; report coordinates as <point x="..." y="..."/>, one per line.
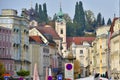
<point x="79" y="19"/>
<point x="99" y="19"/>
<point x="76" y="20"/>
<point x="81" y="15"/>
<point x="36" y="12"/>
<point x="109" y="22"/>
<point x="103" y="22"/>
<point x="45" y="13"/>
<point x="36" y="7"/>
<point x="40" y="14"/>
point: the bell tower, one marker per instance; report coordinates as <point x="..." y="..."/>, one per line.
<point x="60" y="27"/>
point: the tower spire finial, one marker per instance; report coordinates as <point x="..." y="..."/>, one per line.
<point x="31" y="4"/>
<point x="60" y="6"/>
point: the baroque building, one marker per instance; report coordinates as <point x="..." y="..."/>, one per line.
<point x="115" y="49"/>
<point x="100" y="49"/>
<point x="19" y="36"/>
<point x="5" y="50"/>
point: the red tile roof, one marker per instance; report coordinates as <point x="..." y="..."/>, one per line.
<point x="48" y="30"/>
<point x="36" y="39"/>
<point x="78" y="40"/>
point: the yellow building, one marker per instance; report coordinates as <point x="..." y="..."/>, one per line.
<point x="100" y="50"/>
<point x="115" y="49"/>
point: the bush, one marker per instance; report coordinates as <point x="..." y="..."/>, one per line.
<point x="23" y="73"/>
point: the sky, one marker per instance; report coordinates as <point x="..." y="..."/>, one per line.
<point x="107" y="7"/>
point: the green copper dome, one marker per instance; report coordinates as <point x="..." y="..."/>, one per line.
<point x="60" y="15"/>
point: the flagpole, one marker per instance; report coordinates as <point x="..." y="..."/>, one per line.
<point x="46" y="74"/>
<point x="109" y="70"/>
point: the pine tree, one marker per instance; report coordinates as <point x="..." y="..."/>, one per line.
<point x="79" y="19"/>
<point x="40" y="14"/>
<point x="76" y="13"/>
<point x="99" y="19"/>
<point x="36" y="7"/>
<point x="109" y="22"/>
<point x="103" y="22"/>
<point x="45" y="17"/>
<point x="81" y="15"/>
<point x="36" y="12"/>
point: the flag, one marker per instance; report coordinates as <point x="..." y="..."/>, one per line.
<point x="110" y="32"/>
<point x="35" y="75"/>
<point x="49" y="74"/>
<point x="46" y="74"/>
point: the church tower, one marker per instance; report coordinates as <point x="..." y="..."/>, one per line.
<point x="60" y="27"/>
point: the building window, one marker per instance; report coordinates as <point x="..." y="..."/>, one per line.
<point x="81" y="51"/>
<point x="100" y="46"/>
<point x="61" y="31"/>
<point x="45" y="50"/>
<point x="32" y="24"/>
<point x="0" y="51"/>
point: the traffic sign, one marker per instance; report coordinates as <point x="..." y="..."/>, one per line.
<point x="69" y="66"/>
<point x="69" y="71"/>
<point x="59" y="77"/>
<point x="49" y="77"/>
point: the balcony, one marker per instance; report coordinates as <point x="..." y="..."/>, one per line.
<point x="5" y="57"/>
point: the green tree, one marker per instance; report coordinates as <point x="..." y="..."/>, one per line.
<point x="109" y="22"/>
<point x="79" y="19"/>
<point x="40" y="14"/>
<point x="23" y="73"/>
<point x="76" y="20"/>
<point x="67" y="18"/>
<point x="99" y="19"/>
<point x="2" y="71"/>
<point x="90" y="18"/>
<point x="36" y="7"/>
<point x="103" y="22"/>
<point x="45" y="16"/>
<point x="70" y="31"/>
<point x="81" y="15"/>
<point x="36" y="13"/>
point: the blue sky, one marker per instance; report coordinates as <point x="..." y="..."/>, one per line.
<point x="107" y="7"/>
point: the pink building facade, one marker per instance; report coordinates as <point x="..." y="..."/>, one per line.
<point x="5" y="50"/>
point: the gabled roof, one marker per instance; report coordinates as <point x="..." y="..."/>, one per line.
<point x="79" y="40"/>
<point x="35" y="39"/>
<point x="49" y="30"/>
